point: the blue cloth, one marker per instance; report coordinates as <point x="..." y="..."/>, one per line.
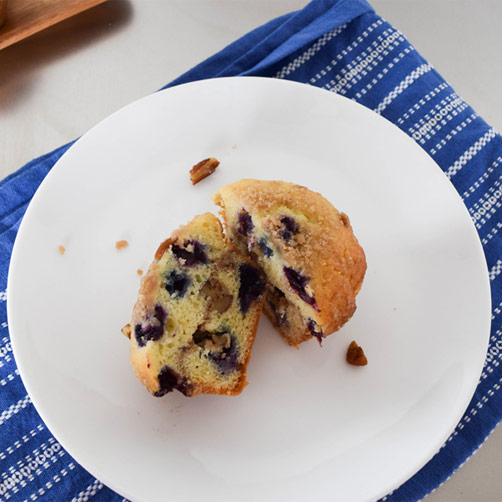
<point x="342" y="46"/>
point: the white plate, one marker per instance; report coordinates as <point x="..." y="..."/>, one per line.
<point x="309" y="426"/>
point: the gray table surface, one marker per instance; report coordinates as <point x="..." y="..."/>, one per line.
<point x="59" y="83"/>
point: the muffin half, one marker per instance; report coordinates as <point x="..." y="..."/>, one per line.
<point x="305" y="247"/>
<point x="196" y="316"/>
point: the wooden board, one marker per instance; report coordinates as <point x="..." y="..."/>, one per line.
<point x="26" y="17"/>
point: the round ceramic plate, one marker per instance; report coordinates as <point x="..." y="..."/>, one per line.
<point x="308" y="426"/>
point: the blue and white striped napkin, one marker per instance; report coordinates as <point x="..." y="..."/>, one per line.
<point x="342" y="46"/>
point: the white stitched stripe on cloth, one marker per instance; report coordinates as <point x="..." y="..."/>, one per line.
<point x="25" y="438"/>
<point x="9" y="378"/>
<point x="89" y="492"/>
<point x="414" y="75"/>
<point x="344" y="52"/>
<point x="482" y="178"/>
<point x="412" y="110"/>
<point x="56" y="479"/>
<point x="311" y="51"/>
<point x="33" y="465"/>
<point x="495" y="270"/>
<point x="432" y="122"/>
<point x="5" y="348"/>
<point x="453" y="132"/>
<point x="13" y="409"/>
<point x="487" y="205"/>
<point x="492" y="232"/>
<point x="471" y="152"/>
<point x="366" y="62"/>
<point x="384" y="72"/>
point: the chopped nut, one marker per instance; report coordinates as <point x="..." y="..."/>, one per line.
<point x="279" y="305"/>
<point x="121" y="244"/>
<point x="139" y="271"/>
<point x="61" y="249"/>
<point x="355" y="355"/>
<point x="217" y="342"/>
<point x="212" y="342"/>
<point x="126" y="330"/>
<point x="218" y="295"/>
<point x="164" y="246"/>
<point x="203" y="169"/>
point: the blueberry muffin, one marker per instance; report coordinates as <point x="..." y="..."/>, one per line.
<point x="196" y="316"/>
<point x="313" y="263"/>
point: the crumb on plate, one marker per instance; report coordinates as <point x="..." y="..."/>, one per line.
<point x="126" y="330"/>
<point x="355" y="355"/>
<point x="203" y="169"/>
<point x="139" y="271"/>
<point x="121" y="244"/>
<point x="61" y="249"/>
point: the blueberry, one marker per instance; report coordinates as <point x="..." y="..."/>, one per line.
<point x="177" y="284"/>
<point x="190" y="258"/>
<point x="251" y="286"/>
<point x="315" y="330"/>
<point x="298" y="282"/>
<point x="160" y="314"/>
<point x="169" y="380"/>
<point x="139" y="334"/>
<point x="221" y="347"/>
<point x="262" y="244"/>
<point x="226" y="360"/>
<point x="245" y="224"/>
<point x="152" y="328"/>
<point x="290" y="228"/>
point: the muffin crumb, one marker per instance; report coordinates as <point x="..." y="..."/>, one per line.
<point x="139" y="271"/>
<point x="121" y="244"/>
<point x="355" y="355"/>
<point x="61" y="249"/>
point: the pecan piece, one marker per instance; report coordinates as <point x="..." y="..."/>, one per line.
<point x="218" y="295"/>
<point x="355" y="355"/>
<point x="3" y="12"/>
<point x="126" y="330"/>
<point x="203" y="169"/>
<point x="164" y="246"/>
